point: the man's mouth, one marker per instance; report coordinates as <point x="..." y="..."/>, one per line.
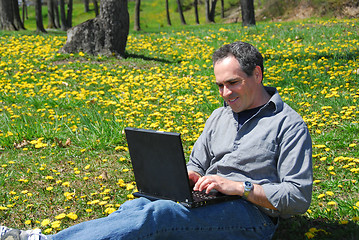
<point x="232" y="100"/>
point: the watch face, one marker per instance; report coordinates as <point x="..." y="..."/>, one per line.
<point x="248" y="186"/>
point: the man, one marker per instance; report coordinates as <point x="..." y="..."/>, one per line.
<point x="255" y="146"/>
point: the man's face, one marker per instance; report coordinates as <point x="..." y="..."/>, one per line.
<point x="236" y="88"/>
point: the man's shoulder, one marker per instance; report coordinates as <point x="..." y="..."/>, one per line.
<point x="219" y="115"/>
<point x="292" y="121"/>
<point x="221" y="112"/>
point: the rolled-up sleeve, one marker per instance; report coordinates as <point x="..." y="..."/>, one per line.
<point x="292" y="195"/>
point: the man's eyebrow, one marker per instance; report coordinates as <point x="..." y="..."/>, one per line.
<point x="229" y="80"/>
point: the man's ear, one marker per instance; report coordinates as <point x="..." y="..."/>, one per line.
<point x="258" y="74"/>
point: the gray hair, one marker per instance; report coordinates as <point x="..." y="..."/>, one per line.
<point x="246" y="54"/>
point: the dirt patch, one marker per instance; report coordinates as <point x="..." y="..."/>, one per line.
<point x="274" y="10"/>
<point x="351" y="12"/>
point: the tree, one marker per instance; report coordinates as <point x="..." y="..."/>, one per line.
<point x="137" y="15"/>
<point x="24" y="11"/>
<point x="195" y="3"/>
<point x="63" y="15"/>
<point x="210" y="6"/>
<point x="213" y="10"/>
<point x="105" y="35"/>
<point x="10" y="16"/>
<point x="95" y="5"/>
<point x="51" y="15"/>
<point x="56" y="13"/>
<point x="222" y="8"/>
<point x="69" y="14"/>
<point x="87" y="5"/>
<point x="66" y="20"/>
<point x="180" y="11"/>
<point x="248" y="16"/>
<point x="38" y="12"/>
<point x="17" y="20"/>
<point x="168" y="14"/>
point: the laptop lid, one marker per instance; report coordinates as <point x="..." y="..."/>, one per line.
<point x="159" y="164"/>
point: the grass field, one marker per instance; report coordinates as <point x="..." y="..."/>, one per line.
<point x="63" y="155"/>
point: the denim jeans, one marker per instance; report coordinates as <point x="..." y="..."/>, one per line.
<point x="164" y="219"/>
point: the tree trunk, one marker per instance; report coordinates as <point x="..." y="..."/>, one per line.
<point x="7" y="16"/>
<point x="207" y="7"/>
<point x="180" y="11"/>
<point x="87" y="5"/>
<point x="63" y="16"/>
<point x="248" y="16"/>
<point x="212" y="12"/>
<point x="69" y="14"/>
<point x="168" y="14"/>
<point x="50" y="14"/>
<point x="222" y="8"/>
<point x="56" y="14"/>
<point x="137" y="15"/>
<point x="195" y="3"/>
<point x="17" y="19"/>
<point x="95" y="5"/>
<point x="38" y="12"/>
<point x="105" y="35"/>
<point x="24" y="11"/>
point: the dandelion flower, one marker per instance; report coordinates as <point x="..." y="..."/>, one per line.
<point x="60" y="216"/>
<point x="72" y="216"/>
<point x="45" y="222"/>
<point x="109" y="210"/>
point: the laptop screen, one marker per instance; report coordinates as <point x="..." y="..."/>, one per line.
<point x="159" y="164"/>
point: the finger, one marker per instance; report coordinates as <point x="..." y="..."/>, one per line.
<point x="211" y="186"/>
<point x="206" y="183"/>
<point x="201" y="184"/>
<point x="198" y="183"/>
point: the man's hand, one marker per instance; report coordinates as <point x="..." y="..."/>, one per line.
<point x="193" y="177"/>
<point x="221" y="184"/>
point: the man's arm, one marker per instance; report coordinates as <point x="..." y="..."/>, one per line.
<point x="229" y="187"/>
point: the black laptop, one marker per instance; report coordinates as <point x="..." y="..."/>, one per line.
<point x="160" y="169"/>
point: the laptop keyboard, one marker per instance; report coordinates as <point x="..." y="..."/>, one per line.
<point x="202" y="196"/>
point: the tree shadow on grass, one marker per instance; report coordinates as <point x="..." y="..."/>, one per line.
<point x="143" y="57"/>
<point x="324" y="229"/>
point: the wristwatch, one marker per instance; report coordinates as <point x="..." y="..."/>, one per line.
<point x="248" y="187"/>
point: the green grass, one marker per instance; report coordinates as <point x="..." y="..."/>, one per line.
<point x="62" y="148"/>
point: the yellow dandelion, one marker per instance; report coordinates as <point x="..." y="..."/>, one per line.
<point x="45" y="222"/>
<point x="329" y="193"/>
<point x="48" y="230"/>
<point x="72" y="215"/>
<point x="109" y="210"/>
<point x="321" y="195"/>
<point x="60" y="216"/>
<point x="129" y="186"/>
<point x="56" y="224"/>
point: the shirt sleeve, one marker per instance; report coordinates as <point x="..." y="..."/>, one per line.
<point x="292" y="195"/>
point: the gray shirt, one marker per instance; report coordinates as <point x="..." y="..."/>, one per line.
<point x="273" y="148"/>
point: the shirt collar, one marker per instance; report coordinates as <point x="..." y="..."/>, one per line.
<point x="275" y="101"/>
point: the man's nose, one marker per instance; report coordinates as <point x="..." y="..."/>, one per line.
<point x="226" y="92"/>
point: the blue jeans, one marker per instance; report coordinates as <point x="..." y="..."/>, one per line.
<point x="163" y="219"/>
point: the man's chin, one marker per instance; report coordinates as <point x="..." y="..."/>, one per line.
<point x="235" y="109"/>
